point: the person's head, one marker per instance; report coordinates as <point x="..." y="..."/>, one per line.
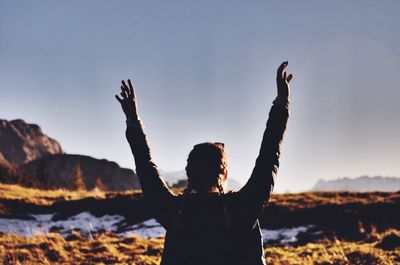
<point x="207" y="167"/>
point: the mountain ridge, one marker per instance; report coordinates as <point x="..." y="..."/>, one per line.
<point x="359" y="184"/>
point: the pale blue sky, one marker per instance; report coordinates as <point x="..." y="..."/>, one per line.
<point x="205" y="70"/>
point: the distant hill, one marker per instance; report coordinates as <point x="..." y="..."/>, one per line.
<point x="59" y="171"/>
<point x="21" y="142"/>
<point x="360" y="184"/>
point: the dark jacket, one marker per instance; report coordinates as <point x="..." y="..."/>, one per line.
<point x="210" y="228"/>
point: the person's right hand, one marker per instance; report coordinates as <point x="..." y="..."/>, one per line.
<point x="282" y="81"/>
<point x="128" y="101"/>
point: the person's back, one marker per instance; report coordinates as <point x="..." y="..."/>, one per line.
<point x="205" y="225"/>
<point x="209" y="231"/>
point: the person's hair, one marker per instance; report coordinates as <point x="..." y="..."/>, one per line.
<point x="205" y="164"/>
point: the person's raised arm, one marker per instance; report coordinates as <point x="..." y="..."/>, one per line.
<point x="154" y="188"/>
<point x="258" y="188"/>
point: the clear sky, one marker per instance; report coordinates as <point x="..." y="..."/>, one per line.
<point x="205" y="71"/>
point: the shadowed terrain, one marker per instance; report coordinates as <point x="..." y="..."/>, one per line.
<point x="341" y="214"/>
<point x="347" y="228"/>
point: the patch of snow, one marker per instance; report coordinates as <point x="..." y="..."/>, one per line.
<point x="22" y="227"/>
<point x="43" y="224"/>
<point x="88" y="224"/>
<point x="43" y="217"/>
<point x="147" y="229"/>
<point x="284" y="235"/>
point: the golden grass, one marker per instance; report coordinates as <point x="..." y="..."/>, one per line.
<point x="107" y="248"/>
<point x="336" y="252"/>
<point x="312" y="199"/>
<point x="290" y="200"/>
<point x="48" y="197"/>
<point x="340" y="252"/>
<point x="104" y="248"/>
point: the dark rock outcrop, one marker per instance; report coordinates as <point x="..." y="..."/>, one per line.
<point x="11" y="174"/>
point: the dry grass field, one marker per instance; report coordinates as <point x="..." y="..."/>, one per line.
<point x="377" y="242"/>
<point x="107" y="248"/>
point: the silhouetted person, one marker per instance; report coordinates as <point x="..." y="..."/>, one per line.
<point x="205" y="225"/>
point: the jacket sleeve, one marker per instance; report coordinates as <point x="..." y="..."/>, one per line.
<point x="255" y="194"/>
<point x="156" y="192"/>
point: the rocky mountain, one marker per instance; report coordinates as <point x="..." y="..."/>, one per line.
<point x="360" y="184"/>
<point x="31" y="158"/>
<point x="65" y="170"/>
<point x="21" y="142"/>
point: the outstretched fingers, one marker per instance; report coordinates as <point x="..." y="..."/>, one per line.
<point x="118" y="98"/>
<point x="123" y="93"/>
<point x="131" y="89"/>
<point x="282" y="76"/>
<point x="289" y="78"/>
<point x="127" y="91"/>
<point x="281" y="68"/>
<point x="125" y="88"/>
